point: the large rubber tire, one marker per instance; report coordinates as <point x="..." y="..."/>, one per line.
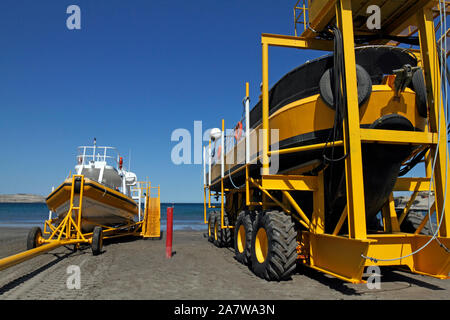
<point x="243" y="236"/>
<point x="77" y="185"/>
<point x="33" y="238"/>
<point x="222" y="236"/>
<point x="274" y="258"/>
<point x="211" y="226"/>
<point x="97" y="241"/>
<point x="364" y="86"/>
<point x="418" y="83"/>
<point x="412" y="222"/>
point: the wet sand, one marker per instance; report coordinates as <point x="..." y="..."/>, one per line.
<point x="134" y="268"/>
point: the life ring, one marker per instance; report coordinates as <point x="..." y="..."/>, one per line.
<point x="238" y="131"/>
<point x="364" y="83"/>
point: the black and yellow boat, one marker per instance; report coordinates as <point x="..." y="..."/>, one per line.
<point x="302" y="108"/>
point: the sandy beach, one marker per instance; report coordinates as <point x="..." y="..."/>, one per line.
<point x="134" y="268"/>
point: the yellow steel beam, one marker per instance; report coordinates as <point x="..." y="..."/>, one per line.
<point x="407" y="207"/>
<point x="341" y="221"/>
<point x="318" y="216"/>
<point x="306" y="148"/>
<point x="390" y="221"/>
<point x="320" y="14"/>
<point x="437" y="115"/>
<point x="277" y="40"/>
<point x="247" y="188"/>
<point x="265" y="108"/>
<point x="289" y="182"/>
<point x="297" y="208"/>
<point x="276" y="202"/>
<point x="412" y="184"/>
<point x="425" y="218"/>
<point x="204" y="205"/>
<point x="396" y="26"/>
<point x="352" y="132"/>
<point x="398" y="137"/>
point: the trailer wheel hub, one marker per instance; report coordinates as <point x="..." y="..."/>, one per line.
<point x="241" y="239"/>
<point x="261" y="245"/>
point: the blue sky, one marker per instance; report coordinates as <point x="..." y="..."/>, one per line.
<point x="136" y="71"/>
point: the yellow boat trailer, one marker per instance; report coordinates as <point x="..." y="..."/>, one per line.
<point x="68" y="231"/>
<point x="346" y="256"/>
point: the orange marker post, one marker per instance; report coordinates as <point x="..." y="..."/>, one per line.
<point x="169" y="231"/>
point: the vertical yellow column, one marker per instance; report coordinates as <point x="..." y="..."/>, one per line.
<point x="221" y="180"/>
<point x="352" y="136"/>
<point x="430" y="64"/>
<point x="265" y="108"/>
<point x="247" y="121"/>
<point x="318" y="218"/>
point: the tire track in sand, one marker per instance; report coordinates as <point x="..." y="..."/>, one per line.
<point x="45" y="277"/>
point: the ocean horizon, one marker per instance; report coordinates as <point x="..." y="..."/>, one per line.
<point x="186" y="216"/>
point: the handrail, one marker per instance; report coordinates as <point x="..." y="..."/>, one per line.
<point x="85" y="154"/>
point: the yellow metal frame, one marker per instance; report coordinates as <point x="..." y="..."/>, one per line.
<point x="345" y="256"/>
<point x="68" y="231"/>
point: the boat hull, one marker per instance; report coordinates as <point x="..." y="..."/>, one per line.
<point x="309" y="121"/>
<point x="100" y="205"/>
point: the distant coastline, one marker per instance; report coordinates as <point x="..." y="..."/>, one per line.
<point x="21" y="198"/>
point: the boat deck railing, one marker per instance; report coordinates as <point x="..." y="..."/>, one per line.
<point x="86" y="154"/>
<point x="142" y="191"/>
<point x="232" y="147"/>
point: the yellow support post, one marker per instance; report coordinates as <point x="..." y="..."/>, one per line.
<point x="204" y="205"/>
<point x="340" y="222"/>
<point x="265" y="109"/>
<point x="390" y="220"/>
<point x="318" y="218"/>
<point x="352" y="135"/>
<point x="437" y="115"/>
<point x="297" y="208"/>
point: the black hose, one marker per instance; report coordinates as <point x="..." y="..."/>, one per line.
<point x="412" y="163"/>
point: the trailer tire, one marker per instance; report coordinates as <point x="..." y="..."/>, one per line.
<point x="33" y="238"/>
<point x="227" y="234"/>
<point x="274" y="244"/>
<point x="243" y="236"/>
<point x="222" y="236"/>
<point x="97" y="241"/>
<point x="211" y="226"/>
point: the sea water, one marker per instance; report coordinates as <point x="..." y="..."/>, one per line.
<point x="186" y="216"/>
